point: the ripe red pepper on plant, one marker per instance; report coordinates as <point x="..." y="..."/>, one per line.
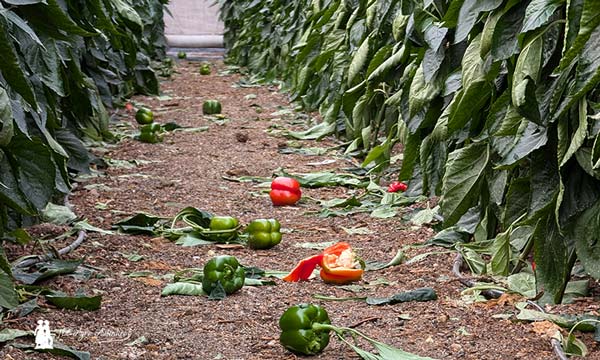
<point x="285" y="191"/>
<point x="396" y="186"/>
<point x="338" y="263"/>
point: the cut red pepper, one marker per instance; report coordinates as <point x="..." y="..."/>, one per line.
<point x="338" y="265"/>
<point x="341" y="268"/>
<point x="304" y="268"/>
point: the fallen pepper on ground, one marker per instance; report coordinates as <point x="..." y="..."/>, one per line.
<point x="299" y="329"/>
<point x="263" y="233"/>
<point x="305" y="330"/>
<point x="224" y="271"/>
<point x="285" y="191"/>
<point x="223" y="229"/>
<point x="339" y="265"/>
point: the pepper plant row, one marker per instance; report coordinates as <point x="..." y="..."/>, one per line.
<point x="496" y="103"/>
<point x="62" y="64"/>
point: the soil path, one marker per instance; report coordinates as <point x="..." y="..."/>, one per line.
<point x="188" y="169"/>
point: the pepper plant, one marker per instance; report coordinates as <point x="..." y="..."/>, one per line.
<point x="63" y="64"/>
<point x="494" y="101"/>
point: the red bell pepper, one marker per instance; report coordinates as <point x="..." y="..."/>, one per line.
<point x="285" y="191"/>
<point x="338" y="266"/>
<point x="397" y="186"/>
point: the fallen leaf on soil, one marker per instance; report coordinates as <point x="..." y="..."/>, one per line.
<point x="148" y="281"/>
<point x="545" y="328"/>
<point x="504" y="299"/>
<point x="229" y="246"/>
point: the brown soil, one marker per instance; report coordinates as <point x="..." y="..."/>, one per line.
<point x="187" y="169"/>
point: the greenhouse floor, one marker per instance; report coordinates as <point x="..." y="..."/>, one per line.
<point x="211" y="166"/>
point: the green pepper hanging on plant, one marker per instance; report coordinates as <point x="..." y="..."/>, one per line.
<point x="263" y="233"/>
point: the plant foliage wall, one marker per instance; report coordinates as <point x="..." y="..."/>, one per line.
<point x="495" y="101"/>
<point x="62" y="64"/>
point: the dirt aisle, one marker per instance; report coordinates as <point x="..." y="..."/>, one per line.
<point x="188" y="169"/>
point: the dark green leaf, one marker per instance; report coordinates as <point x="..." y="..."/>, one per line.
<point x="194" y="217"/>
<point x="566" y="321"/>
<point x="46" y="270"/>
<point x="79" y="157"/>
<point x="11" y="67"/>
<point x="10" y="193"/>
<point x="588" y="74"/>
<point x="78" y="302"/>
<point x="6" y="119"/>
<point x="421" y="294"/>
<point x="461" y="181"/>
<point x="586" y="233"/>
<point x="517" y="199"/>
<point x="8" y="295"/>
<point x="539" y="12"/>
<point x="589" y="23"/>
<point x="35" y="169"/>
<point x="501" y="254"/>
<point x="11" y="334"/>
<point x="526" y="75"/>
<point x="469" y="12"/>
<point x="359" y="60"/>
<point x="544" y="182"/>
<point x="140" y="223"/>
<point x="506" y="31"/>
<point x="551" y="254"/>
<point x="57" y="349"/>
<point x="517" y="138"/>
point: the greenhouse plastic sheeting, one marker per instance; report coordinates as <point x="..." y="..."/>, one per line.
<point x="194" y="23"/>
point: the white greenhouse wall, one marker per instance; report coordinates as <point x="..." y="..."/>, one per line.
<point x="195" y="23"/>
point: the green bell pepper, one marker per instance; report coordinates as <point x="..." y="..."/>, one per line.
<point x="263" y="233"/>
<point x="205" y="69"/>
<point x="226" y="270"/>
<point x="150" y="133"/>
<point x="223" y="229"/>
<point x="144" y="116"/>
<point x="302" y="331"/>
<point x="211" y="107"/>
